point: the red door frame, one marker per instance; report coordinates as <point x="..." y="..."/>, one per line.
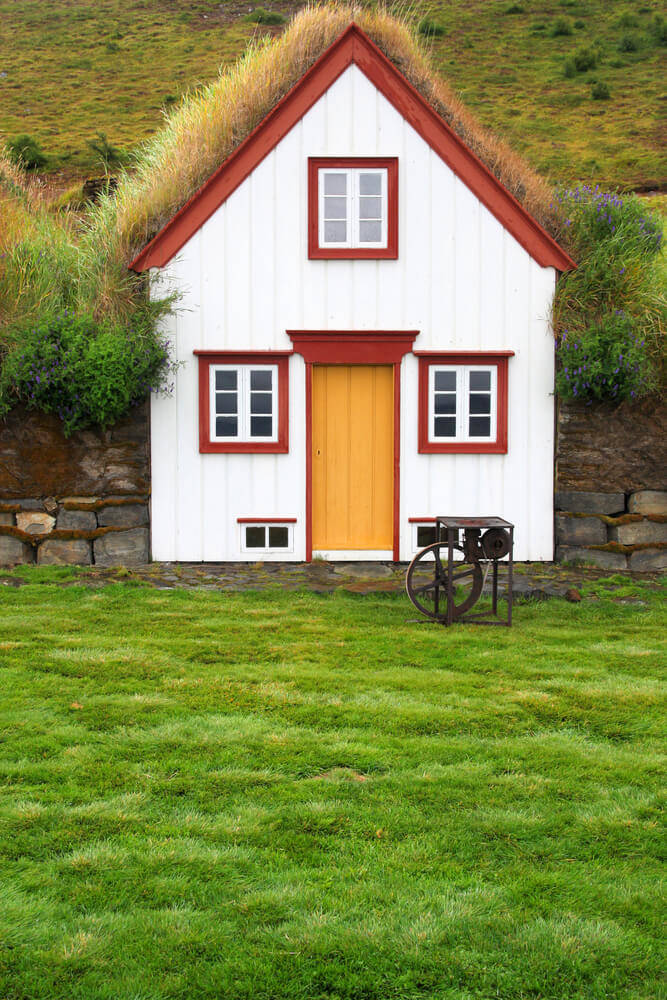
<point x="347" y="347"/>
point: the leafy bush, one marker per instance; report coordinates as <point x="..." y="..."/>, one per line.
<point x="579" y="24"/>
<point x="600" y="91"/>
<point x="261" y="16"/>
<point x="561" y="27"/>
<point x="25" y="150"/>
<point x="609" y="313"/>
<point x="659" y="29"/>
<point x="110" y="155"/>
<point x="85" y="372"/>
<point x="515" y="8"/>
<point x="628" y="20"/>
<point x="430" y="29"/>
<point x="628" y="44"/>
<point x="585" y="59"/>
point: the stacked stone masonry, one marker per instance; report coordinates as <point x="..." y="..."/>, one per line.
<point x="611" y="530"/>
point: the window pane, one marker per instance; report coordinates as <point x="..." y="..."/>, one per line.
<point x="261" y="402"/>
<point x="261" y="426"/>
<point x="445" y="427"/>
<point x="335" y="208"/>
<point x="225" y="380"/>
<point x="335" y="232"/>
<point x="255" y="537"/>
<point x="261" y="380"/>
<point x="226" y="427"/>
<point x="480" y="426"/>
<point x="480" y="403"/>
<point x="370" y="232"/>
<point x="225" y="402"/>
<point x="370" y="183"/>
<point x="370" y="208"/>
<point x="425" y="536"/>
<point x="445" y="402"/>
<point x="278" y="537"/>
<point x="480" y="380"/>
<point x="335" y="183"/>
<point x="445" y="381"/>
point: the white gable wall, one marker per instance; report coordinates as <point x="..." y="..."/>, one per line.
<point x="460" y="278"/>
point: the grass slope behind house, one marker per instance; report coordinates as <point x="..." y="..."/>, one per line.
<point x="112" y="67"/>
<point x="301" y="796"/>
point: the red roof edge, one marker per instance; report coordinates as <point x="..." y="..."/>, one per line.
<point x="353" y="46"/>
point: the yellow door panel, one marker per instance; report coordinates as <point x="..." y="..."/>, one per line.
<point x="353" y="456"/>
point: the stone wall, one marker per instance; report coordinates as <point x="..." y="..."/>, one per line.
<point x="78" y="500"/>
<point x="611" y="484"/>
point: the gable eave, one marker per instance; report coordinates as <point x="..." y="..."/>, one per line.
<point x="353" y="46"/>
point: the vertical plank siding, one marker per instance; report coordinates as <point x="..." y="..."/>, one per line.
<point x="460" y="278"/>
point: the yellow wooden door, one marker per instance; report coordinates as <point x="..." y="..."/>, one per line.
<point x="353" y="456"/>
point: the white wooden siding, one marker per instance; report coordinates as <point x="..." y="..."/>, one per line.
<point x="460" y="279"/>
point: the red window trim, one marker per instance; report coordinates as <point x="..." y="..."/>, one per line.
<point x="208" y="358"/>
<point x="421" y="520"/>
<point x="266" y="520"/>
<point x="315" y="251"/>
<point x="498" y="358"/>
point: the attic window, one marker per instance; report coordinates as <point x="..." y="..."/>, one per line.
<point x="353" y="208"/>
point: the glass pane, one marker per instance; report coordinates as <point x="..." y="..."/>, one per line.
<point x="225" y="402"/>
<point x="370" y="232"/>
<point x="480" y="426"/>
<point x="335" y="232"/>
<point x="425" y="536"/>
<point x="370" y="208"/>
<point x="335" y="208"/>
<point x="278" y="538"/>
<point x="226" y="427"/>
<point x="261" y="427"/>
<point x="480" y="380"/>
<point x="445" y="402"/>
<point x="370" y="183"/>
<point x="480" y="403"/>
<point x="445" y="427"/>
<point x="261" y="380"/>
<point x="445" y="381"/>
<point x="226" y="380"/>
<point x="335" y="183"/>
<point x="261" y="402"/>
<point x="255" y="537"/>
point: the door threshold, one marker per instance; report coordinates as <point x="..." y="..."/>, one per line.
<point x="354" y="555"/>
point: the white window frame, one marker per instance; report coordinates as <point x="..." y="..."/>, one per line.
<point x="462" y="415"/>
<point x="416" y="525"/>
<point x="244" y="396"/>
<point x="266" y="549"/>
<point x="352" y="218"/>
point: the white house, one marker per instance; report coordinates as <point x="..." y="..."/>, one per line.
<point x="364" y="335"/>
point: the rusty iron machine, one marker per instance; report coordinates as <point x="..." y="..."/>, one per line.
<point x="445" y="588"/>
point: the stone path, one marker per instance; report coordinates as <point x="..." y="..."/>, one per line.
<point x="535" y="581"/>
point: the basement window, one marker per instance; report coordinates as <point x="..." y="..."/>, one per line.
<point x="353" y="208"/>
<point x="268" y="537"/>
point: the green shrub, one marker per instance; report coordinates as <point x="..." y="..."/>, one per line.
<point x="570" y="69"/>
<point x="561" y="27"/>
<point x="628" y="20"/>
<point x="609" y="313"/>
<point x="110" y="155"/>
<point x="585" y="59"/>
<point x="430" y="29"/>
<point x="261" y="16"/>
<point x="628" y="44"/>
<point x="538" y="27"/>
<point x="85" y="372"/>
<point x="112" y="46"/>
<point x="579" y="24"/>
<point x="659" y="29"/>
<point x="515" y="8"/>
<point x="25" y="150"/>
<point x="600" y="91"/>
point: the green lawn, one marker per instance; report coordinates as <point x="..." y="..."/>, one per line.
<point x="279" y="795"/>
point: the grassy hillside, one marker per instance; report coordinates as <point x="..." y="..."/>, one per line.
<point x="70" y="70"/>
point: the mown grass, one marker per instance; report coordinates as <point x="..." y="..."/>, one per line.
<point x="280" y="795"/>
<point x="113" y="66"/>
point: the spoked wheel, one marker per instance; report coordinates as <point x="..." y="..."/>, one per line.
<point x="426" y="583"/>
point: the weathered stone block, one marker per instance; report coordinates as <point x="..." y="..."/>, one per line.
<point x="596" y="557"/>
<point x="58" y="552"/>
<point x="13" y="551"/>
<point x="127" y="515"/>
<point x="648" y="560"/>
<point x="639" y="533"/>
<point x="77" y="520"/>
<point x="580" y="530"/>
<point x="6" y="518"/>
<point x="590" y="503"/>
<point x="122" y="548"/>
<point x="35" y="522"/>
<point x="648" y="502"/>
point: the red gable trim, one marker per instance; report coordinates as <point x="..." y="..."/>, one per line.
<point x="353" y="46"/>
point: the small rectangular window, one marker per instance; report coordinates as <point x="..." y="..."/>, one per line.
<point x="266" y="537"/>
<point x="462" y="403"/>
<point x="353" y="209"/>
<point x="244" y="402"/>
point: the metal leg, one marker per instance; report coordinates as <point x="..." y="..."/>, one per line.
<point x="494" y="597"/>
<point x="450" y="569"/>
<point x="510" y="566"/>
